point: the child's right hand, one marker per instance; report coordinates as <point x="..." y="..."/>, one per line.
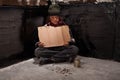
<point x="40" y="44"/>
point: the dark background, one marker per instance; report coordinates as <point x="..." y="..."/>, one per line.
<point x="95" y="28"/>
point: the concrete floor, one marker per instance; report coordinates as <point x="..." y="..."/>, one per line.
<point x="91" y="69"/>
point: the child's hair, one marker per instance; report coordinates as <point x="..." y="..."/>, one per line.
<point x="61" y="22"/>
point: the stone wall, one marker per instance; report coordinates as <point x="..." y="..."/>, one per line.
<point x="10" y="31"/>
<point x="94" y="28"/>
<point x="117" y="35"/>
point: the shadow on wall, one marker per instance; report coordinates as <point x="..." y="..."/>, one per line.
<point x="93" y="28"/>
<point x="85" y="45"/>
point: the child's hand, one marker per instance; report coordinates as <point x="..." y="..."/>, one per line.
<point x="40" y="44"/>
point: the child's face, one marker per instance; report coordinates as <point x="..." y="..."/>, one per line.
<point x="54" y="19"/>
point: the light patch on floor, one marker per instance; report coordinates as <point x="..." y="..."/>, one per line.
<point x="91" y="69"/>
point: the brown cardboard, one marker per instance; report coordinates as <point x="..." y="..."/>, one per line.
<point x="54" y="36"/>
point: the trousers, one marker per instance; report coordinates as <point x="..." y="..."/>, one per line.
<point x="61" y="53"/>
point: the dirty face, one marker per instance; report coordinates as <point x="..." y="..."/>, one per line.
<point x="54" y="19"/>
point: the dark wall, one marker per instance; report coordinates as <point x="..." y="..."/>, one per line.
<point x="18" y="29"/>
<point x="33" y="17"/>
<point x="117" y="35"/>
<point x="10" y="31"/>
<point x="95" y="28"/>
